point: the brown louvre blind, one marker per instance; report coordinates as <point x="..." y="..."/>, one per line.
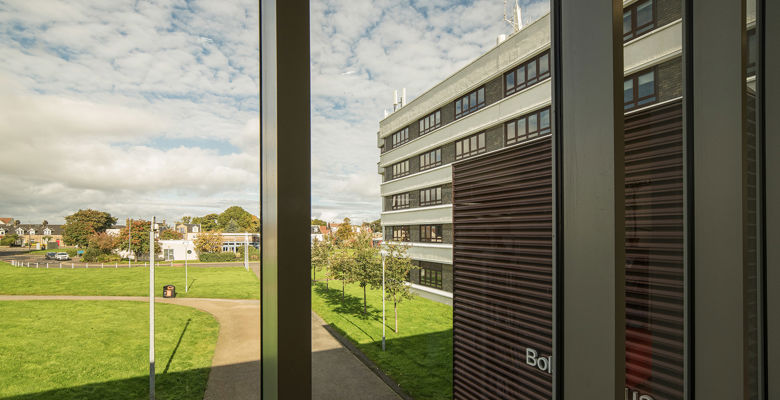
<point x="654" y="251"/>
<point x="502" y="215"/>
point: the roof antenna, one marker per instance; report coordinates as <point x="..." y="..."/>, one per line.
<point x="517" y="19"/>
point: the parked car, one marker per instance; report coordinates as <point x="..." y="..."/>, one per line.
<point x="62" y="257"/>
<point x="50" y="255"/>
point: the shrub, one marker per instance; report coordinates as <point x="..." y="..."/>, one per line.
<point x="217" y="257"/>
<point x="254" y="254"/>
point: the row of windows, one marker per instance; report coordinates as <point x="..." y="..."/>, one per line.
<point x="400" y="169"/>
<point x="430" y="159"/>
<point x="400" y="201"/>
<point x="430" y="122"/>
<point x="430" y="196"/>
<point x="400" y="137"/>
<point x="472" y="145"/>
<point x="30" y="232"/>
<point x="430" y="233"/>
<point x="526" y="74"/>
<point x="527" y="127"/>
<point x="470" y="102"/>
<point x="430" y="275"/>
<point x="639" y="90"/>
<point x="638" y="19"/>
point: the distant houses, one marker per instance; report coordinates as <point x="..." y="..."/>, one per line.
<point x="32" y="234"/>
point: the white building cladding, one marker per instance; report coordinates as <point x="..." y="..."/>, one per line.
<point x="419" y="141"/>
<point x="177" y="250"/>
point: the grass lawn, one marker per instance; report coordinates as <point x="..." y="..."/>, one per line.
<point x="223" y="282"/>
<point x="70" y="350"/>
<point x="418" y="358"/>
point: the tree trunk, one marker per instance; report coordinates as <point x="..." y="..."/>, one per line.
<point x="314" y="280"/>
<point x="342" y="291"/>
<point x="365" y="309"/>
<point x="395" y="308"/>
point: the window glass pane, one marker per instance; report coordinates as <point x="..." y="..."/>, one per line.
<point x="521" y="75"/>
<point x="531" y="70"/>
<point x="545" y="119"/>
<point x="473" y="144"/>
<point x="510" y="130"/>
<point x="644" y="13"/>
<point x="628" y="90"/>
<point x="438" y="156"/>
<point x="510" y="80"/>
<point x="626" y="22"/>
<point x="521" y="127"/>
<point x="481" y="139"/>
<point x="544" y="64"/>
<point x="481" y="96"/>
<point x="466" y="147"/>
<point x="438" y="193"/>
<point x="646" y="84"/>
<point x="438" y="118"/>
<point x="472" y="100"/>
<point x="532" y="123"/>
<point x="465" y="104"/>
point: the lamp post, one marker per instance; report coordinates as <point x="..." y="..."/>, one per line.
<point x="383" y="301"/>
<point x="246" y="251"/>
<point x="151" y="310"/>
<point x="186" y="257"/>
<point x="129" y="242"/>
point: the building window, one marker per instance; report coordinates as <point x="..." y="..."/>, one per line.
<point x="430" y="275"/>
<point x="430" y="159"/>
<point x="752" y="50"/>
<point x="32" y="231"/>
<point x="470" y="103"/>
<point x="400" y="169"/>
<point x="527" y="74"/>
<point x="430" y="196"/>
<point x="639" y="90"/>
<point x="2" y="232"/>
<point x="528" y="126"/>
<point x="430" y="233"/>
<point x="400" y="201"/>
<point x="47" y="231"/>
<point x="472" y="145"/>
<point x="20" y="232"/>
<point x="638" y="19"/>
<point x="400" y="137"/>
<point x="430" y="122"/>
<point x="401" y="233"/>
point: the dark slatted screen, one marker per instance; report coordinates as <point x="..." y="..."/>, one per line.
<point x="654" y="251"/>
<point x="502" y="251"/>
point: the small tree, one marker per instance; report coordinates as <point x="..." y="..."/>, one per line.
<point x="345" y="233"/>
<point x="397" y="267"/>
<point x="367" y="268"/>
<point x="322" y="256"/>
<point x="138" y="242"/>
<point x="170" y="234"/>
<point x="208" y="242"/>
<point x="83" y="224"/>
<point x="186" y="219"/>
<point x="341" y="268"/>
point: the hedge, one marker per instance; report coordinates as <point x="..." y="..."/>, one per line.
<point x="217" y="257"/>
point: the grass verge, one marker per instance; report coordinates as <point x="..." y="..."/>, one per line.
<point x="72" y="350"/>
<point x="418" y="358"/>
<point x="223" y="282"/>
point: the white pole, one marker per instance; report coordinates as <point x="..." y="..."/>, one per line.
<point x="151" y="310"/>
<point x="129" y="242"/>
<point x="383" y="302"/>
<point x="186" y="257"/>
<point x="246" y="251"/>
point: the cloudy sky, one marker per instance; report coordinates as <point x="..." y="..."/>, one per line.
<point x="144" y="108"/>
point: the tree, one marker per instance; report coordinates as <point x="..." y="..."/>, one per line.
<point x="397" y="267"/>
<point x="84" y="223"/>
<point x="319" y="222"/>
<point x="8" y="240"/>
<point x="208" y="223"/>
<point x="238" y="216"/>
<point x="100" y="244"/>
<point x="367" y="268"/>
<point x="45" y="222"/>
<point x="341" y="268"/>
<point x="344" y="233"/>
<point x="170" y="234"/>
<point x="322" y="256"/>
<point x="186" y="219"/>
<point x="376" y="226"/>
<point x="208" y="242"/>
<point x="139" y="238"/>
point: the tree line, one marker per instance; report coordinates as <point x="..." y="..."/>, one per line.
<point x="352" y="258"/>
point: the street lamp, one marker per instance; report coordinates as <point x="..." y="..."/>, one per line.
<point x="383" y="301"/>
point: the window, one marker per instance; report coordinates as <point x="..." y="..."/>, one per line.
<point x="47" y="231"/>
<point x="32" y="231"/>
<point x="430" y="275"/>
<point x="472" y="145"/>
<point x="430" y="122"/>
<point x="528" y="126"/>
<point x="400" y="201"/>
<point x="752" y="50"/>
<point x="168" y="254"/>
<point x="400" y="169"/>
<point x="430" y="196"/>
<point x="401" y="233"/>
<point x="430" y="233"/>
<point x="470" y="103"/>
<point x="2" y="232"/>
<point x="430" y="159"/>
<point x="528" y="73"/>
<point x="400" y="137"/>
<point x="20" y="231"/>
<point x="638" y="19"/>
<point x="639" y="90"/>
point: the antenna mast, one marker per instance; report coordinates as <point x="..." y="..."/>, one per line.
<point x="517" y="20"/>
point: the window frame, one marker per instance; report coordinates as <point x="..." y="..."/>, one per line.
<point x="434" y="155"/>
<point x="398" y="174"/>
<point x="428" y="233"/>
<point x="528" y="133"/>
<point x="435" y="194"/>
<point x="508" y="91"/>
<point x="635" y="90"/>
<point x="435" y="123"/>
<point x="403" y="202"/>
<point x="479" y="105"/>
<point x="471" y="153"/>
<point x="402" y="135"/>
<point x="403" y="233"/>
<point x="632" y="34"/>
<point x="431" y="275"/>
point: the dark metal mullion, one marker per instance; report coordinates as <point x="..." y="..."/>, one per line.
<point x="688" y="202"/>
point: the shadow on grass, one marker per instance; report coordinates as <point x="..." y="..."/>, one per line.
<point x="186" y="385"/>
<point x="177" y="345"/>
<point x="351" y="305"/>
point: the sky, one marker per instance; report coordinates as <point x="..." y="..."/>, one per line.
<point x="143" y="108"/>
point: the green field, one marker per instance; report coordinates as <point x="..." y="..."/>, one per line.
<point x="70" y="350"/>
<point x="222" y="282"/>
<point x="418" y="358"/>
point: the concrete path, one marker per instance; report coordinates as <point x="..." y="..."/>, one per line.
<point x="235" y="372"/>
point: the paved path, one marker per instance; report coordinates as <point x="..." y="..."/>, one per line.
<point x="235" y="372"/>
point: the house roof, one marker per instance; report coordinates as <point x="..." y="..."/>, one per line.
<point x="7" y="221"/>
<point x="39" y="228"/>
